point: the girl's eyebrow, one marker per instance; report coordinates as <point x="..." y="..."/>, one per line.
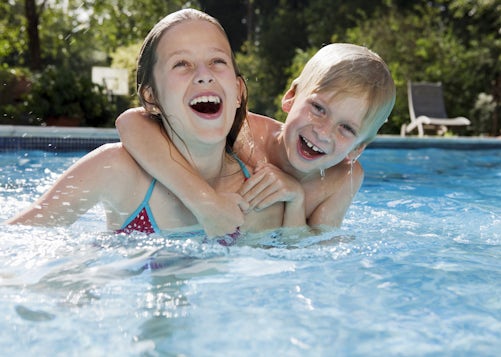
<point x="186" y="52"/>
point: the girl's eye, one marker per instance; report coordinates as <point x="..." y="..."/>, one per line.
<point x="219" y="61"/>
<point x="180" y="64"/>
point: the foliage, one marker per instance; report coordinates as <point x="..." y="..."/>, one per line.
<point x="292" y="72"/>
<point x="126" y="57"/>
<point x="123" y="22"/>
<point x="281" y="32"/>
<point x="482" y="113"/>
<point x="15" y="86"/>
<point x="248" y="63"/>
<point x="456" y="42"/>
<point x="61" y="92"/>
<point x="423" y="45"/>
<point x="11" y="22"/>
<point x="327" y="20"/>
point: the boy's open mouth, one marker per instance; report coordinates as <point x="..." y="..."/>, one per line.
<point x="308" y="149"/>
<point x="207" y="104"/>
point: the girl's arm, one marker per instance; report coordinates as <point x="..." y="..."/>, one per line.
<point x="146" y="142"/>
<point x="77" y="190"/>
<point x="269" y="185"/>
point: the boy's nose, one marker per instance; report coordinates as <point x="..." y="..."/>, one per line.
<point x="324" y="130"/>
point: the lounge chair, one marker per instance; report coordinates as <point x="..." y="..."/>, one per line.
<point x="427" y="110"/>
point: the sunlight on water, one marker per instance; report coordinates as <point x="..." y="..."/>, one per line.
<point x="414" y="270"/>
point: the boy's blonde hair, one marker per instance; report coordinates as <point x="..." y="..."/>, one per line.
<point x="347" y="69"/>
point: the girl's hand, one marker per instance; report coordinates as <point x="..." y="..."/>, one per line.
<point x="269" y="185"/>
<point x="222" y="214"/>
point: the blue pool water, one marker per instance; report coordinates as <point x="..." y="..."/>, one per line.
<point x="415" y="270"/>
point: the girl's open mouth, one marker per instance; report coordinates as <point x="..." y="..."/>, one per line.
<point x="206" y="104"/>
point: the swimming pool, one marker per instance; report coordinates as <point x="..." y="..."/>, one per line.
<point x="415" y="270"/>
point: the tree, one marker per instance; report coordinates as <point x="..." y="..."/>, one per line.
<point x="33" y="17"/>
<point x="232" y="14"/>
<point x="12" y="44"/>
<point x="453" y="41"/>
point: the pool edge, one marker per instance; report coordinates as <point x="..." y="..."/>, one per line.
<point x="18" y="137"/>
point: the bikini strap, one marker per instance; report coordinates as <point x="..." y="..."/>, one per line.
<point x="241" y="164"/>
<point x="150" y="191"/>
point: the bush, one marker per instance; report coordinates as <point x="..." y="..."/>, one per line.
<point x="14" y="86"/>
<point x="62" y="93"/>
<point x="482" y="115"/>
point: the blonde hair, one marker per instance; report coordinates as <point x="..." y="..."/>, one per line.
<point x="347" y="69"/>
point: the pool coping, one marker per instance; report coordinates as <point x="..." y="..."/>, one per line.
<point x="20" y="137"/>
<point x="54" y="138"/>
<point x="453" y="143"/>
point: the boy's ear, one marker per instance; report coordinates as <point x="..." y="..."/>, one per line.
<point x="355" y="153"/>
<point x="288" y="99"/>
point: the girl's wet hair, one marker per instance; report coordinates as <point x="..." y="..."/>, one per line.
<point x="343" y="69"/>
<point x="148" y="57"/>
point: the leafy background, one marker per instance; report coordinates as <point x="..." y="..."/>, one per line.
<point x="457" y="42"/>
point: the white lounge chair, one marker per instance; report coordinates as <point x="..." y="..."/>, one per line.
<point x="427" y="109"/>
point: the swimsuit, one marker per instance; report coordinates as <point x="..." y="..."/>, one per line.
<point x="246" y="172"/>
<point x="142" y="220"/>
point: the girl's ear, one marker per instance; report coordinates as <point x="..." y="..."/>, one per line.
<point x="288" y="99"/>
<point x="355" y="153"/>
<point x="149" y="99"/>
<point x="241" y="90"/>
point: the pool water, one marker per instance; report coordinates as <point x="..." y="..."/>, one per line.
<point x="415" y="270"/>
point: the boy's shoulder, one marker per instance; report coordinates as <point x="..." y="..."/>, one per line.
<point x="261" y="123"/>
<point x="258" y="118"/>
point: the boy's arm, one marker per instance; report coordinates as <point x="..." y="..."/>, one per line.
<point x="269" y="185"/>
<point x="332" y="210"/>
<point x="148" y="145"/>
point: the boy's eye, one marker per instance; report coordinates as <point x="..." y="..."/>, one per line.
<point x="317" y="108"/>
<point x="349" y="129"/>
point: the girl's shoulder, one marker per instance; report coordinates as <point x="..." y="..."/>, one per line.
<point x="114" y="161"/>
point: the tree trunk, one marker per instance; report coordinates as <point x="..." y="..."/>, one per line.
<point x="250" y="21"/>
<point x="32" y="17"/>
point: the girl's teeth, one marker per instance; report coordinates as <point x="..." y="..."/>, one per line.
<point x="206" y="99"/>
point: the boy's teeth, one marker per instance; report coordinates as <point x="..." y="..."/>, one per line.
<point x="311" y="146"/>
<point x="206" y="99"/>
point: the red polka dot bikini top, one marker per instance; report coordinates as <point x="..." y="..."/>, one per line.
<point x="142" y="220"/>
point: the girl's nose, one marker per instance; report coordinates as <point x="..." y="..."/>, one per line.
<point x="203" y="75"/>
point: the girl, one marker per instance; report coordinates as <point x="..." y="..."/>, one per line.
<point x="188" y="80"/>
